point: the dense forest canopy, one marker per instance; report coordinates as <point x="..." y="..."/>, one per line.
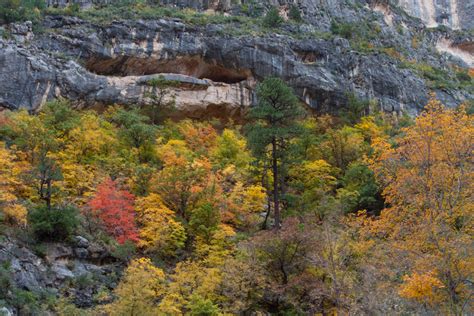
<point x="244" y="157"/>
<point x="291" y="213"/>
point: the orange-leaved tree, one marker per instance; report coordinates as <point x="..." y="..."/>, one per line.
<point x="114" y="207"/>
<point x="428" y="187"/>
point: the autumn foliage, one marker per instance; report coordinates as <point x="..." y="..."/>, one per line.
<point x="142" y="284"/>
<point x="428" y="185"/>
<point x="115" y="209"/>
<point x="315" y="216"/>
<point x="159" y="230"/>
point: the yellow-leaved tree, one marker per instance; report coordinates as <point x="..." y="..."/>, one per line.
<point x="10" y="185"/>
<point x="158" y="229"/>
<point x="245" y="203"/>
<point x="231" y="149"/>
<point x="139" y="290"/>
<point x="192" y="290"/>
<point x="183" y="178"/>
<point x="94" y="137"/>
<point x="313" y="180"/>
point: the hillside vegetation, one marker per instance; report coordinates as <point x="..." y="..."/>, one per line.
<point x="290" y="214"/>
<point x="248" y="157"/>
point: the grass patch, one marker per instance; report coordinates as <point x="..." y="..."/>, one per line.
<point x="135" y="10"/>
<point x="439" y="78"/>
<point x="360" y="34"/>
<point x="21" y="10"/>
<point x="249" y="23"/>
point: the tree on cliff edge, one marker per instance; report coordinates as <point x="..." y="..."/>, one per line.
<point x="273" y="122"/>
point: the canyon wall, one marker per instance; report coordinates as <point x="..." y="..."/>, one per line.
<point x="456" y="14"/>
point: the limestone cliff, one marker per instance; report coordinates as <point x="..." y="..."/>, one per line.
<point x="389" y="58"/>
<point x="456" y="14"/>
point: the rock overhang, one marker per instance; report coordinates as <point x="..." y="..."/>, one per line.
<point x="109" y="57"/>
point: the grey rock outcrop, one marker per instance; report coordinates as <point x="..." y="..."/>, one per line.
<point x="57" y="269"/>
<point x="216" y="71"/>
<point x="5" y="312"/>
<point x="314" y="11"/>
<point x="22" y="32"/>
<point x="30" y="78"/>
<point x="456" y="14"/>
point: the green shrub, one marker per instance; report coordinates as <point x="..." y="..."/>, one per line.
<point x="202" y="307"/>
<point x="84" y="281"/>
<point x="21" y="10"/>
<point x="124" y="252"/>
<point x="204" y="220"/>
<point x="354" y="109"/>
<point x="376" y="28"/>
<point x="342" y="29"/>
<point x="72" y="9"/>
<point x="252" y="8"/>
<point x="363" y="46"/>
<point x="295" y="14"/>
<point x="436" y="78"/>
<point x="463" y="76"/>
<point x="6" y="282"/>
<point x="359" y="34"/>
<point x="360" y="179"/>
<point x="27" y="302"/>
<point x="400" y="30"/>
<point x="39" y="249"/>
<point x="3" y="33"/>
<point x="54" y="223"/>
<point x="470" y="107"/>
<point x="272" y="18"/>
<point x="65" y="306"/>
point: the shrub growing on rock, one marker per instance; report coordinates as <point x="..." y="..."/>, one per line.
<point x="55" y="223"/>
<point x="295" y="14"/>
<point x="272" y="18"/>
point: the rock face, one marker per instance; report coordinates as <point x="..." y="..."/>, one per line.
<point x="59" y="268"/>
<point x="43" y="78"/>
<point x="463" y="51"/>
<point x="456" y="14"/>
<point x="215" y="72"/>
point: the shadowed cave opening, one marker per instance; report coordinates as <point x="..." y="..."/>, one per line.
<point x="309" y="57"/>
<point x="190" y="66"/>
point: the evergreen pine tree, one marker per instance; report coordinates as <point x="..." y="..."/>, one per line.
<point x="274" y="124"/>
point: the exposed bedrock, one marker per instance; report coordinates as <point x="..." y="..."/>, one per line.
<point x="28" y="81"/>
<point x="456" y="14"/>
<point x="59" y="265"/>
<point x="30" y="75"/>
<point x="93" y="65"/>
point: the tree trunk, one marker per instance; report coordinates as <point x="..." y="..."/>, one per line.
<point x="269" y="199"/>
<point x="276" y="201"/>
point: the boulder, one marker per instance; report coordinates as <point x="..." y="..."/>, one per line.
<point x="81" y="242"/>
<point x="21" y="32"/>
<point x="61" y="271"/>
<point x="81" y="253"/>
